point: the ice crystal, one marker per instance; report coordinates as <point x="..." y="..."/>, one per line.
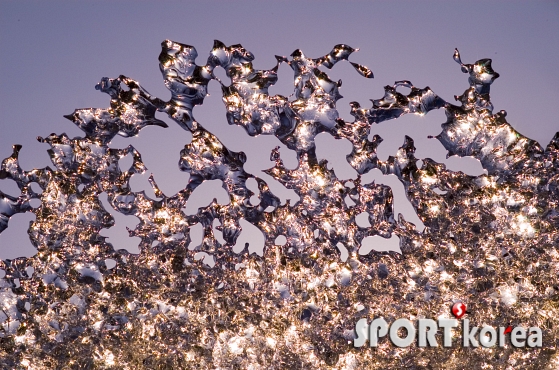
<point x="489" y="240"/>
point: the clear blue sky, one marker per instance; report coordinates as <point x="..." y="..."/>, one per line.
<point x="52" y="53"/>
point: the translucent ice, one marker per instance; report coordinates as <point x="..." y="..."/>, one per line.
<point x="191" y="301"/>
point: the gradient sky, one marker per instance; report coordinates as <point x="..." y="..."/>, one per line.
<point x="53" y="53"/>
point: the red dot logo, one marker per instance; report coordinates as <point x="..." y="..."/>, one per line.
<point x="458" y="309"/>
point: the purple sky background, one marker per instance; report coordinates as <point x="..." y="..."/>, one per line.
<point x="53" y="53"/>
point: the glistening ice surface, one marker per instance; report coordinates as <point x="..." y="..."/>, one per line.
<point x="489" y="240"/>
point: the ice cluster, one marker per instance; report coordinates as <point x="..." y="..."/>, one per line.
<point x="489" y="240"/>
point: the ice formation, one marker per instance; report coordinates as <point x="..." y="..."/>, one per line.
<point x="489" y="240"/>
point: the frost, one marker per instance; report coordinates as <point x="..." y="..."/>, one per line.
<point x="193" y="292"/>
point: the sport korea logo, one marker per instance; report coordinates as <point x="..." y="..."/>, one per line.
<point x="472" y="336"/>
